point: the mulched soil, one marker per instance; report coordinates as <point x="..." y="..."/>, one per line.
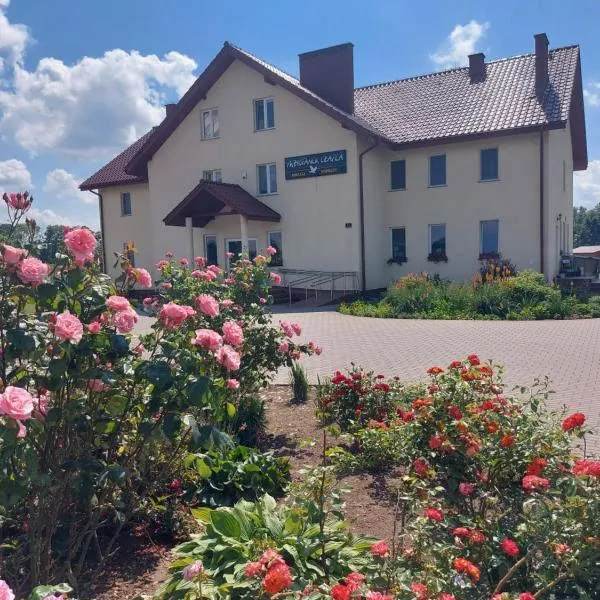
<point x="141" y="562"/>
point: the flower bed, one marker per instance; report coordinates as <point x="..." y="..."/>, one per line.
<point x="522" y="296"/>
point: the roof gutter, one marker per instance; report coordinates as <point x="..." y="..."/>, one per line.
<point x="542" y="237"/>
<point x="361" y="206"/>
<point x="101" y="206"/>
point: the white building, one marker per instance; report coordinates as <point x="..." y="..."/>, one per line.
<point x="421" y="174"/>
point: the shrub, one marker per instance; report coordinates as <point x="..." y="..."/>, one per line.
<point x="259" y="549"/>
<point x="223" y="478"/>
<point x="299" y="383"/>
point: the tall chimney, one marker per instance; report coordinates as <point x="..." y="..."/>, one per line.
<point x="169" y="108"/>
<point x="477" y="67"/>
<point x="329" y="73"/>
<point x="541" y="64"/>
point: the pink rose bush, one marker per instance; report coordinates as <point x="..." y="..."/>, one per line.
<point x="12" y="255"/>
<point x="81" y="243"/>
<point x="16" y="403"/>
<point x="32" y="271"/>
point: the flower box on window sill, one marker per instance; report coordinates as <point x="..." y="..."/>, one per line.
<point x="396" y="261"/>
<point x="489" y="255"/>
<point x="437" y="258"/>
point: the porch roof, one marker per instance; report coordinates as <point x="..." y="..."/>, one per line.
<point x="208" y="199"/>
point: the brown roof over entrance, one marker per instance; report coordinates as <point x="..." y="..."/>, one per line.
<point x="208" y="199"/>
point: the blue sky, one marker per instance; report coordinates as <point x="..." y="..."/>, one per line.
<point x="79" y="80"/>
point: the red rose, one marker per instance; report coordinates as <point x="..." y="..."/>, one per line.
<point x="435" y="370"/>
<point x="434" y="514"/>
<point x="536" y="466"/>
<point x="509" y="547"/>
<point x="340" y="592"/>
<point x="533" y="483"/>
<point x="507" y="441"/>
<point x="277" y="578"/>
<point x="573" y="421"/>
<point x="474" y="359"/>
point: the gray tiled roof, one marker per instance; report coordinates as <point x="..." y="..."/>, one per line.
<point x="447" y="104"/>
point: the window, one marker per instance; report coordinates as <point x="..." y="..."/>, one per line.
<point x="267" y="179"/>
<point x="489" y="164"/>
<point x="437" y="242"/>
<point x="264" y="114"/>
<point x="214" y="175"/>
<point x="398" y="175"/>
<point x="210" y="124"/>
<point x="398" y="244"/>
<point x="488" y="244"/>
<point x="210" y="249"/>
<point x="274" y="239"/>
<point x="125" y="204"/>
<point x="437" y="170"/>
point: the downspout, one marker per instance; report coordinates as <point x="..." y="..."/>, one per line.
<point x="361" y="206"/>
<point x="542" y="257"/>
<point x="101" y="228"/>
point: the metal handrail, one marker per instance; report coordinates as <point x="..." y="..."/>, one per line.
<point x="310" y="279"/>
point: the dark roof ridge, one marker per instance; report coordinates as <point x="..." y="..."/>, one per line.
<point x="456" y="69"/>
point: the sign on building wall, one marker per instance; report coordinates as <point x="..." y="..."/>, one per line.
<point x="315" y="165"/>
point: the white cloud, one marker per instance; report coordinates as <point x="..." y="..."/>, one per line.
<point x="13" y="38"/>
<point x="62" y="184"/>
<point x="592" y="94"/>
<point x="586" y="185"/>
<point x="94" y="107"/>
<point x="46" y="216"/>
<point x="14" y="176"/>
<point x="461" y="42"/>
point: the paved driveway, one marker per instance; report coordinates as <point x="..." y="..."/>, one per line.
<point x="566" y="351"/>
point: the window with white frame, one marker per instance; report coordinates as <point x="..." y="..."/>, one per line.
<point x="488" y="164"/>
<point x="489" y="237"/>
<point x="437" y="170"/>
<point x="264" y="114"/>
<point x="125" y="204"/>
<point x="398" y="241"/>
<point x="214" y="175"/>
<point x="267" y="178"/>
<point x="210" y="249"/>
<point x="274" y="240"/>
<point x="210" y="124"/>
<point x="437" y="241"/>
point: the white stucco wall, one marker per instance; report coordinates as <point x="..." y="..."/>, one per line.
<point x="461" y="205"/>
<point x="120" y="229"/>
<point x="314" y="211"/>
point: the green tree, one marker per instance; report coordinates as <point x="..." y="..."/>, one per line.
<point x="586" y="226"/>
<point x="20" y="235"/>
<point x="53" y="238"/>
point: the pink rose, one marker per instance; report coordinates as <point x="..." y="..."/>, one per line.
<point x="275" y="278"/>
<point x="17" y="202"/>
<point x="33" y="271"/>
<point x="96" y="385"/>
<point x="143" y="277"/>
<point x="228" y="281"/>
<point x="287" y="328"/>
<point x="205" y="275"/>
<point x="227" y="303"/>
<point x="233" y="384"/>
<point x="162" y="263"/>
<point x="259" y="259"/>
<point x="228" y="357"/>
<point x="12" y="255"/>
<point x="229" y="254"/>
<point x="200" y="261"/>
<point x="94" y="327"/>
<point x="466" y="489"/>
<point x="184" y="262"/>
<point x="118" y="303"/>
<point x="5" y="592"/>
<point x="68" y="327"/>
<point x="215" y="269"/>
<point x="297" y="329"/>
<point x="139" y="349"/>
<point x="173" y="315"/>
<point x="284" y="347"/>
<point x="16" y="403"/>
<point x="125" y="320"/>
<point x="169" y="254"/>
<point x="233" y="333"/>
<point x="207" y="305"/>
<point x="271" y="250"/>
<point x="296" y="354"/>
<point x="209" y="339"/>
<point x="81" y="243"/>
<point x="166" y="286"/>
<point x="192" y="571"/>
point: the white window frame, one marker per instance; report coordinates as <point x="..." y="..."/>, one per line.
<point x="437" y="185"/>
<point x="392" y="240"/>
<point x="269" y="243"/>
<point x="497" y="178"/>
<point x="429" y="251"/>
<point x="481" y="235"/>
<point x="212" y="112"/>
<point x="399" y="189"/>
<point x="123" y="213"/>
<point x="269" y="191"/>
<point x="211" y="175"/>
<point x="264" y="103"/>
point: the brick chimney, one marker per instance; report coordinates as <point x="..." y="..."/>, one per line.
<point x="477" y="67"/>
<point x="329" y="73"/>
<point x="541" y="64"/>
<point x="170" y="108"/>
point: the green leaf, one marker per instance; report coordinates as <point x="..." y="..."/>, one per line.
<point x="225" y="523"/>
<point x="230" y="410"/>
<point x="46" y="291"/>
<point x="157" y="373"/>
<point x="199" y="391"/>
<point x="21" y="340"/>
<point x="116" y="405"/>
<point x="119" y="343"/>
<point x="202" y="468"/>
<point x="57" y="367"/>
<point x="117" y="474"/>
<point x="171" y="424"/>
<point x="42" y="591"/>
<point x="202" y="514"/>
